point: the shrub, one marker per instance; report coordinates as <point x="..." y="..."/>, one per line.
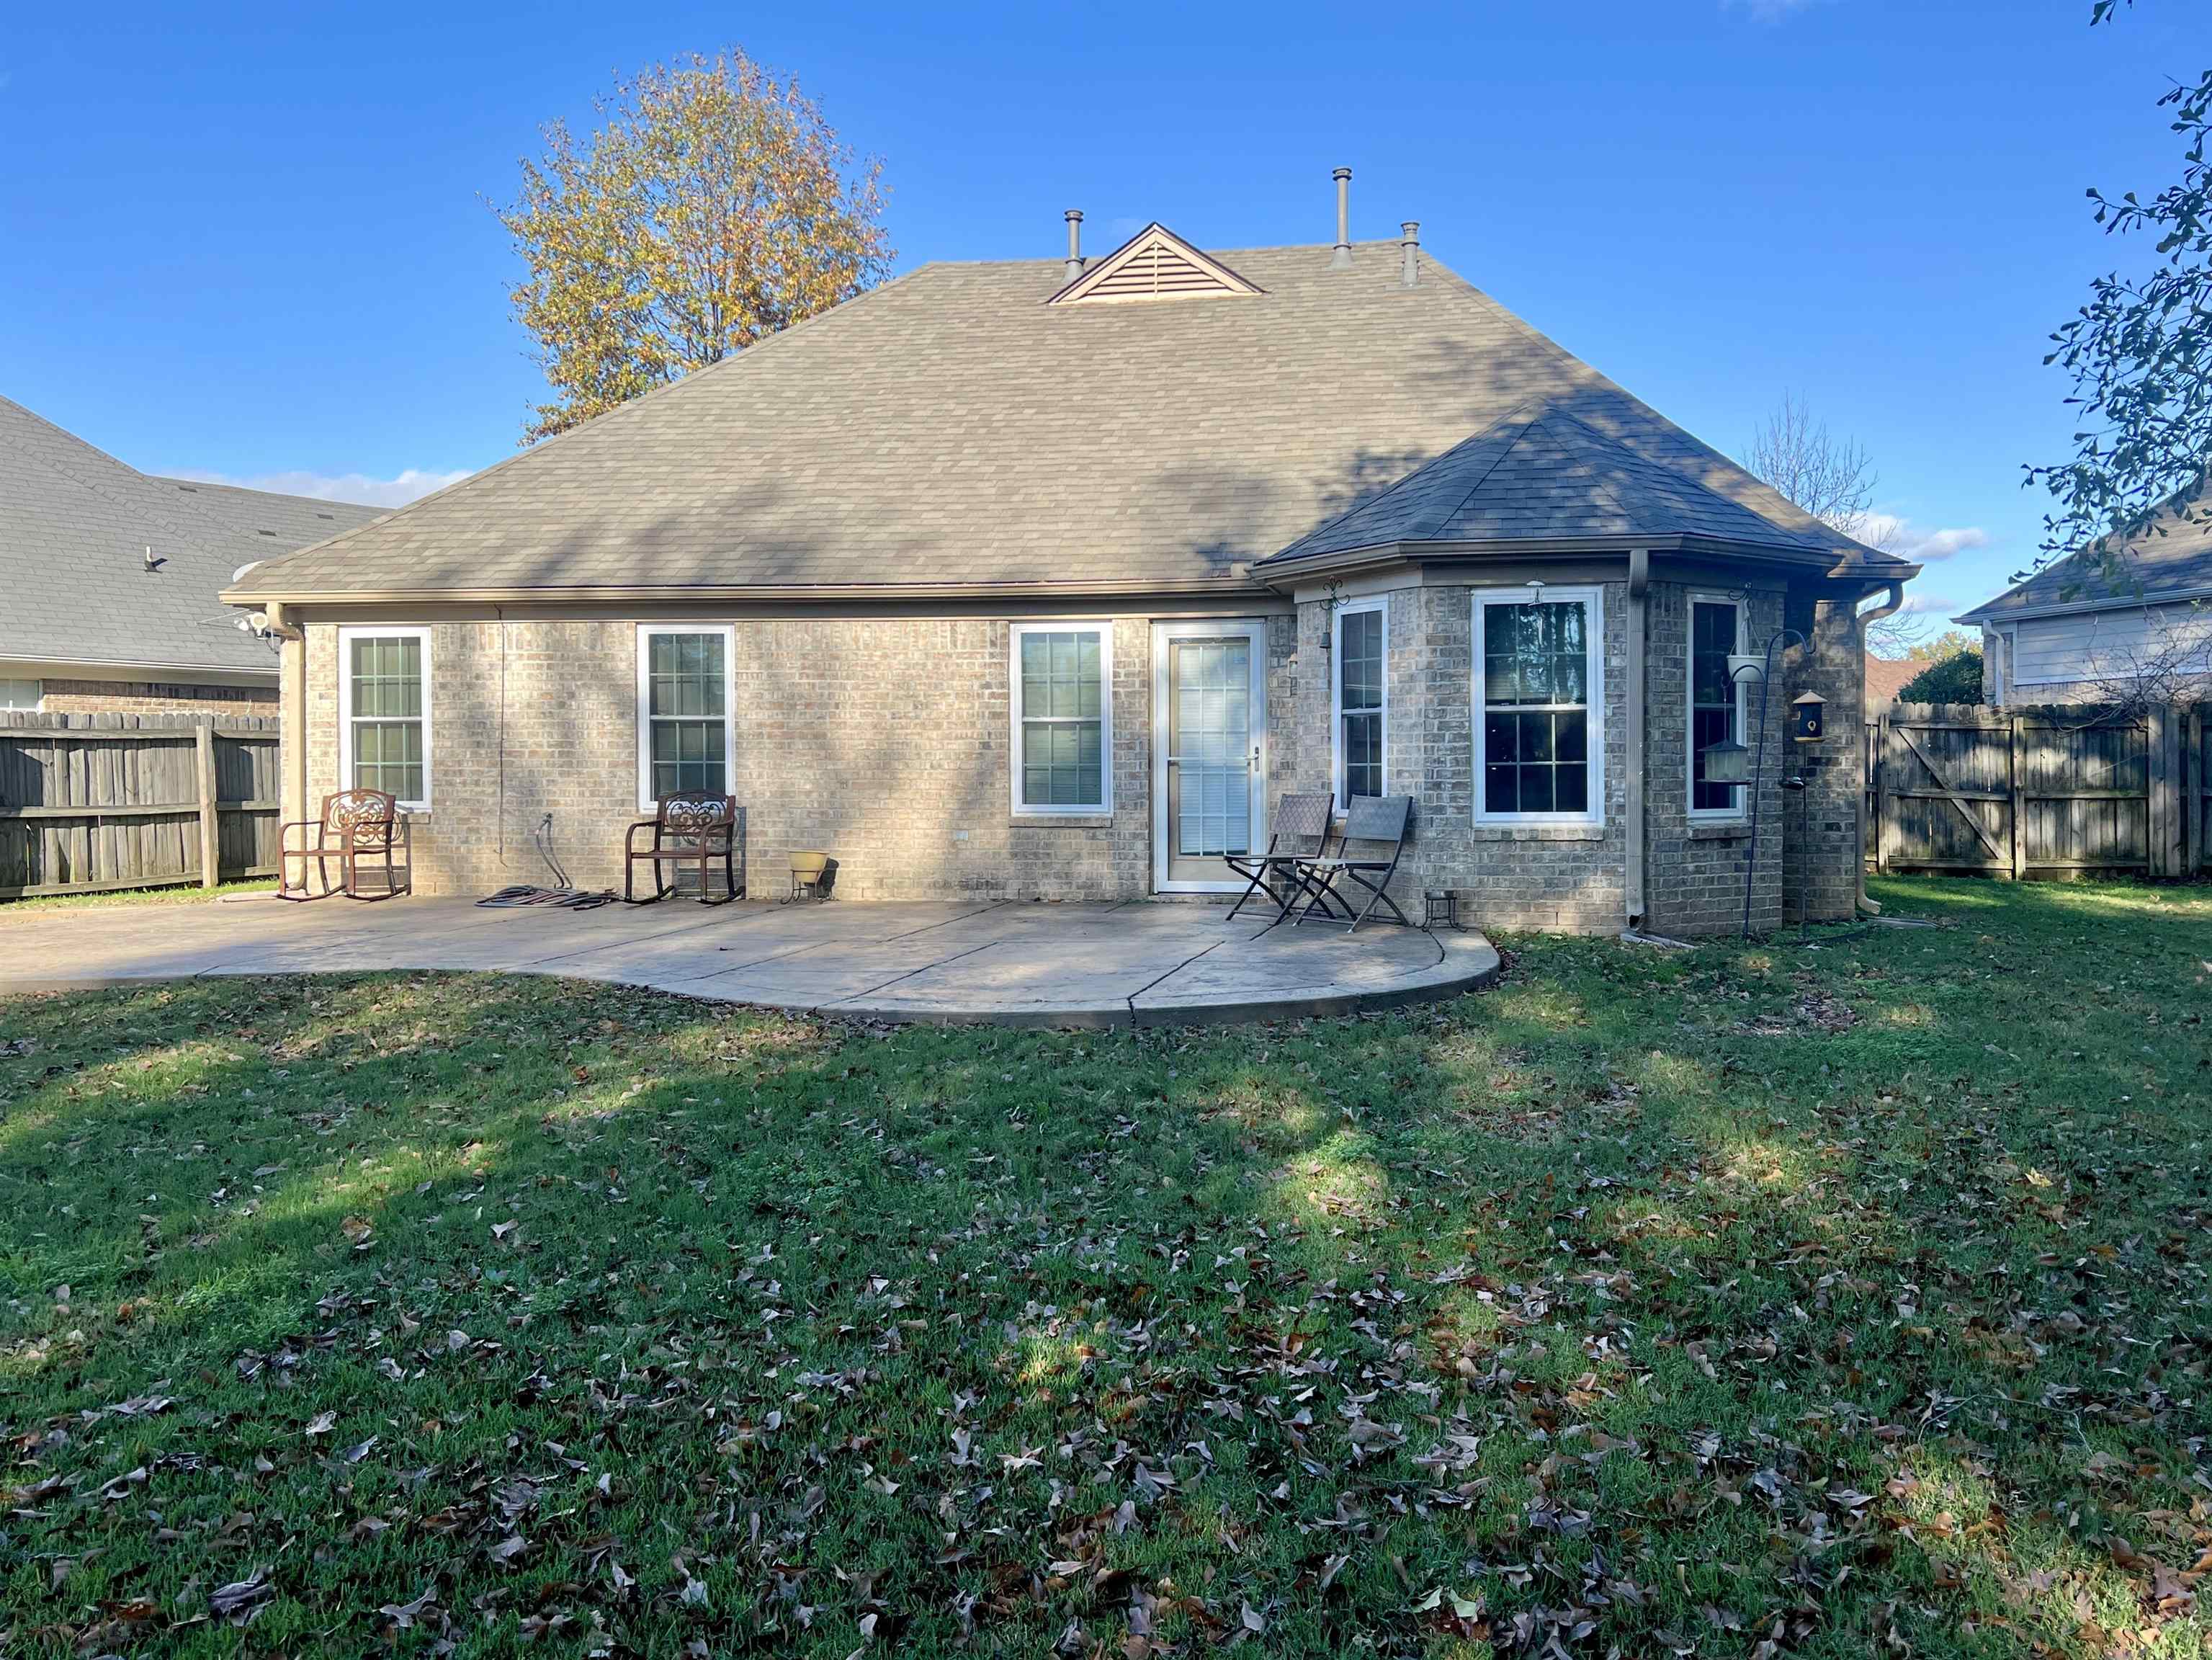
<point x="1956" y="679"/>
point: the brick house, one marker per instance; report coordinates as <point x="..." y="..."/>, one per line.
<point x="111" y="576"/>
<point x="1043" y="579"/>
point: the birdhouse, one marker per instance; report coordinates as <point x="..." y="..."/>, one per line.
<point x="1807" y="717"/>
<point x="1726" y="762"/>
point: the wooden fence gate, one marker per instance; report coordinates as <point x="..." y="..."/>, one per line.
<point x="2046" y="792"/>
<point x="91" y="804"/>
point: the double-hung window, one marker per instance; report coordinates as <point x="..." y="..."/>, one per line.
<point x="1539" y="705"/>
<point x="1715" y="701"/>
<point x="684" y="694"/>
<point x="384" y="712"/>
<point x="1062" y="680"/>
<point x="1361" y="696"/>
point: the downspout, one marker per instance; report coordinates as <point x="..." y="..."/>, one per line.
<point x="292" y="678"/>
<point x="1639" y="581"/>
<point x="1861" y="619"/>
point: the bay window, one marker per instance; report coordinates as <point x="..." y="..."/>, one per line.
<point x="1360" y="697"/>
<point x="1539" y="706"/>
<point x="1715" y="701"/>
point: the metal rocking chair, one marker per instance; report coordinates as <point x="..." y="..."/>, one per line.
<point x="358" y="827"/>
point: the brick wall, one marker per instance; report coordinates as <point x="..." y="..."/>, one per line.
<point x="1568" y="877"/>
<point x="1694" y="874"/>
<point x="884" y="741"/>
<point x="153" y="697"/>
<point x="1821" y="863"/>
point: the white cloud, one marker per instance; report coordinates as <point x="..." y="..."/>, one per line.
<point x="1927" y="604"/>
<point x="1894" y="533"/>
<point x="394" y="492"/>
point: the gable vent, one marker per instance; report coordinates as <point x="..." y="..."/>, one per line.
<point x="1154" y="264"/>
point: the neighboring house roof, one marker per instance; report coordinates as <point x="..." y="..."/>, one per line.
<point x="953" y="430"/>
<point x="2170" y="560"/>
<point x="76" y="525"/>
<point x="1885" y="677"/>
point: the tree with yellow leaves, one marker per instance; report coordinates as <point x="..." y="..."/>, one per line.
<point x="713" y="206"/>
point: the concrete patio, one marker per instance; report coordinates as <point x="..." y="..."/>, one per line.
<point x="984" y="962"/>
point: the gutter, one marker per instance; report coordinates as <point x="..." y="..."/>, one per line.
<point x="229" y="674"/>
<point x="878" y="592"/>
<point x="1287" y="567"/>
<point x="1983" y="616"/>
<point x="1888" y="607"/>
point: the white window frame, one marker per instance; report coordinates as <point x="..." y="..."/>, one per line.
<point x="1016" y="632"/>
<point x="38" y="693"/>
<point x="1741" y="792"/>
<point x="1379" y="604"/>
<point x="347" y="635"/>
<point x="1547" y="594"/>
<point x="646" y="632"/>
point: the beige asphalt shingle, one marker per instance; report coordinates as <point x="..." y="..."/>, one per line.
<point x="950" y="427"/>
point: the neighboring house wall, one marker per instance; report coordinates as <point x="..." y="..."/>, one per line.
<point x="2077" y="656"/>
<point x="887" y="741"/>
<point x="153" y="697"/>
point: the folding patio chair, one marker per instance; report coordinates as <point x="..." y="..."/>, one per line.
<point x="1298" y="830"/>
<point x="1376" y="825"/>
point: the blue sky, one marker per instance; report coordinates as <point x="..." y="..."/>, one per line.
<point x="253" y="242"/>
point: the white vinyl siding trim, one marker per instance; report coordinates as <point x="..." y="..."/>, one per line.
<point x="1059" y="725"/>
<point x="1371" y="707"/>
<point x="647" y="633"/>
<point x="349" y="720"/>
<point x="2107" y="645"/>
<point x="1592" y="600"/>
<point x="1738" y="793"/>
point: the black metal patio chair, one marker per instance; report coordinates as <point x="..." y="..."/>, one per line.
<point x="1376" y="825"/>
<point x="1298" y="830"/>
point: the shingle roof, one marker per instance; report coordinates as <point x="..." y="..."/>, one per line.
<point x="2170" y="559"/>
<point x="1885" y="677"/>
<point x="1543" y="474"/>
<point x="951" y="429"/>
<point x="74" y="526"/>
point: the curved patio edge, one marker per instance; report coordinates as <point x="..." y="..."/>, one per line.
<point x="989" y="962"/>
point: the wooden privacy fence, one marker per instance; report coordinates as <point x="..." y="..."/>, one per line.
<point x="91" y="804"/>
<point x="2054" y="791"/>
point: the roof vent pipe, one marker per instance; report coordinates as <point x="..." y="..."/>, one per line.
<point x="1341" y="259"/>
<point x="1074" y="244"/>
<point x="1409" y="273"/>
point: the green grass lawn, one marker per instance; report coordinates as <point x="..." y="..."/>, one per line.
<point x="180" y="893"/>
<point x="1835" y="1299"/>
